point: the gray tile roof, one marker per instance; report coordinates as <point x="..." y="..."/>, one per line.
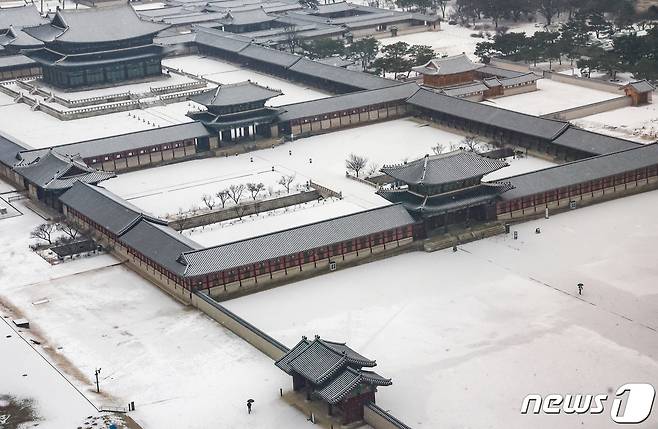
<point x="104" y="208"/>
<point x="9" y="150"/>
<point x="318" y="363"/>
<point x="95" y="25"/>
<point x="159" y="243"/>
<point x="488" y="115"/>
<point x="519" y="80"/>
<point x="294" y="240"/>
<point x="499" y="72"/>
<point x="642" y="86"/>
<point x="340" y="75"/>
<point x="246" y="17"/>
<point x="591" y="142"/>
<point x="464" y="90"/>
<point x="55" y="171"/>
<point x="268" y="55"/>
<point x="220" y="40"/>
<point x="13" y="61"/>
<point x="346" y="381"/>
<point x="447" y="66"/>
<point x="353" y="100"/>
<point x="444" y="168"/>
<point x="125" y="142"/>
<point x="18" y="17"/>
<point x="581" y="171"/>
<point x="236" y="93"/>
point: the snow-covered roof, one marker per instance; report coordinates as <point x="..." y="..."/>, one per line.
<point x="591" y="142"/>
<point x="444" y="168"/>
<point x="447" y="66"/>
<point x="488" y="115"/>
<point x="236" y="93"/>
<point x="22" y="16"/>
<point x="465" y="90"/>
<point x="641" y="86"/>
<point x="95" y="25"/>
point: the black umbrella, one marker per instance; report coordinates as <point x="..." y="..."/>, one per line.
<point x="250" y="401"/>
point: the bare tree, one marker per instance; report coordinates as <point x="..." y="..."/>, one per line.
<point x="240" y="210"/>
<point x="372" y="169"/>
<point x="235" y="192"/>
<point x="255" y="189"/>
<point x="439" y="148"/>
<point x="44" y="232"/>
<point x="182" y="220"/>
<point x="71" y="231"/>
<point x="469" y="143"/>
<point x="286" y="181"/>
<point x="356" y="163"/>
<point x="223" y="197"/>
<point x="209" y="201"/>
<point x="290" y="33"/>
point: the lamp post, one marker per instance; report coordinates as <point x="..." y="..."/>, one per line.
<point x="98" y="389"/>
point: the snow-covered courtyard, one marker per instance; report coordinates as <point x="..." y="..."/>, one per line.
<point x="179" y="367"/>
<point x="466" y="335"/>
<point x="225" y="73"/>
<point x="634" y="123"/>
<point x="164" y="190"/>
<point x="551" y="96"/>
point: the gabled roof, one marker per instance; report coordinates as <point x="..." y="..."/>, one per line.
<point x="105" y="208"/>
<point x="218" y="39"/>
<point x="518" y="80"/>
<point x="246" y="17"/>
<point x="319" y="360"/>
<point x="547" y="129"/>
<point x="236" y="93"/>
<point x="95" y="25"/>
<point x="447" y="66"/>
<point x="640" y="86"/>
<point x="9" y="150"/>
<point x="158" y="243"/>
<point x="294" y="240"/>
<point x="340" y="75"/>
<point x="55" y="171"/>
<point x="343" y="383"/>
<point x="591" y="142"/>
<point x="582" y="171"/>
<point x="22" y="16"/>
<point x="270" y="56"/>
<point x="125" y="142"/>
<point x="465" y="90"/>
<point x="352" y="100"/>
<point x="444" y="168"/>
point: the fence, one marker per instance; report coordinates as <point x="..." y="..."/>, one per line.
<point x="590" y="109"/>
<point x="584" y="82"/>
<point x="243" y="209"/>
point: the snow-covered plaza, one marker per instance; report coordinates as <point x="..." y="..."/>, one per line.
<point x="551" y="96"/>
<point x="479" y="329"/>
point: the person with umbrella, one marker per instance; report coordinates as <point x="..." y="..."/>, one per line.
<point x="580" y="288"/>
<point x="249" y="404"/>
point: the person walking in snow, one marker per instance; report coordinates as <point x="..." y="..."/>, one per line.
<point x="249" y="402"/>
<point x="580" y="288"/>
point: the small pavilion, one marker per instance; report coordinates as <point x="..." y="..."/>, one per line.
<point x="639" y="91"/>
<point x="448" y="71"/>
<point x="446" y="189"/>
<point x="332" y="372"/>
<point x="237" y="111"/>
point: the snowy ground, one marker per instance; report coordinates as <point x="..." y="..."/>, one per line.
<point x="25" y="374"/>
<point x="465" y="336"/>
<point x="634" y="123"/>
<point x="453" y="39"/>
<point x="181" y="368"/>
<point x="163" y="190"/>
<point x="271" y="221"/>
<point x="222" y="72"/>
<point x="550" y="97"/>
<point x="45" y="130"/>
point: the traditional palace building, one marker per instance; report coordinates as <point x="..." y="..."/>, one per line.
<point x="447" y="188"/>
<point x="237" y="111"/>
<point x="97" y="46"/>
<point x="333" y="373"/>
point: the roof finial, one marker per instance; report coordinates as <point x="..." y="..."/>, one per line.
<point x="317" y="337"/>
